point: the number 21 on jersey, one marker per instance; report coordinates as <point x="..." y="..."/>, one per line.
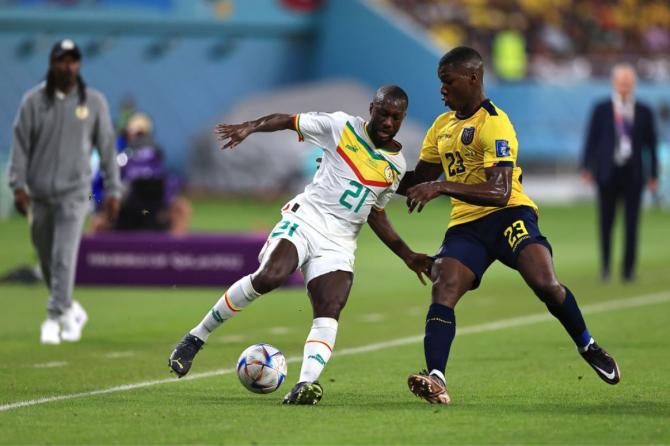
<point x="350" y="197"/>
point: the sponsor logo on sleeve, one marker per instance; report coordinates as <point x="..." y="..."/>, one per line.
<point x="502" y="148"/>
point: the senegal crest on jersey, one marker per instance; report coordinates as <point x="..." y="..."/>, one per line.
<point x="371" y="168"/>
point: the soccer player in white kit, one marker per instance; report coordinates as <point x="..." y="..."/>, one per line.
<point x="361" y="169"/>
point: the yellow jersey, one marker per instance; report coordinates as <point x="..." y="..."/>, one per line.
<point x="465" y="147"/>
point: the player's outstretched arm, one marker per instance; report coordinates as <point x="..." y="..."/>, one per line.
<point x="236" y="133"/>
<point x="424" y="171"/>
<point x="417" y="262"/>
<point x="495" y="191"/>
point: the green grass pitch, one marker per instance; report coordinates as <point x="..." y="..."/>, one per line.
<point x="513" y="377"/>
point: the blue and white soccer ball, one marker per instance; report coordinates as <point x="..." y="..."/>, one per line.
<point x="261" y="368"/>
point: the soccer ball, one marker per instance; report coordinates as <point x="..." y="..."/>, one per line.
<point x="261" y="368"/>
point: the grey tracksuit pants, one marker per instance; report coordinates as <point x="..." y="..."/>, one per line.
<point x="56" y="226"/>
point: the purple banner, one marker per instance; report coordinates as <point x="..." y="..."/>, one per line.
<point x="158" y="259"/>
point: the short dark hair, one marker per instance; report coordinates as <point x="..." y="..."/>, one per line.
<point x="462" y="55"/>
<point x="391" y="92"/>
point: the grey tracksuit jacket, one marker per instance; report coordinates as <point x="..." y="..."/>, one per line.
<point x="51" y="149"/>
<point x="51" y="159"/>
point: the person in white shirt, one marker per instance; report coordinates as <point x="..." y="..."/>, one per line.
<point x="361" y="169"/>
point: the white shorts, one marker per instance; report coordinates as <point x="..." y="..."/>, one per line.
<point x="317" y="255"/>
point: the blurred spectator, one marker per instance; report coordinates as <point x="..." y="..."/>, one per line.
<point x="620" y="136"/>
<point x="150" y="200"/>
<point x="509" y="55"/>
<point x="127" y="109"/>
<point x="596" y="33"/>
<point x="51" y="178"/>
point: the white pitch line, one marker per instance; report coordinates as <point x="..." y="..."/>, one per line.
<point x="638" y="301"/>
<point x="50" y="365"/>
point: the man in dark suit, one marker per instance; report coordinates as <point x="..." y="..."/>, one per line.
<point x="620" y="156"/>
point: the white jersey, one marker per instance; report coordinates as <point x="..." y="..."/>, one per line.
<point x="354" y="176"/>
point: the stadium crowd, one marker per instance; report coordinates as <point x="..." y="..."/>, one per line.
<point x="553" y="39"/>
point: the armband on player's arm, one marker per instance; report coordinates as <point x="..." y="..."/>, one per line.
<point x="296" y="127"/>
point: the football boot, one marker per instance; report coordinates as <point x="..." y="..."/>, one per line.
<point x="181" y="359"/>
<point x="429" y="387"/>
<point x="604" y="365"/>
<point x="304" y="393"/>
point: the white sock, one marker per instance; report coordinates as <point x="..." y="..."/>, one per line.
<point x="439" y="375"/>
<point x="318" y="348"/>
<point x="586" y="347"/>
<point x="238" y="296"/>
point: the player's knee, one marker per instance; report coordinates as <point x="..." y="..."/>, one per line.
<point x="330" y="309"/>
<point x="549" y="290"/>
<point x="446" y="291"/>
<point x="269" y="278"/>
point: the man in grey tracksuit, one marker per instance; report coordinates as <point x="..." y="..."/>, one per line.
<point x="58" y="124"/>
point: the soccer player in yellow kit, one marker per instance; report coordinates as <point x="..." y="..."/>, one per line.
<point x="475" y="146"/>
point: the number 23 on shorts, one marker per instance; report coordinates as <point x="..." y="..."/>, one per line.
<point x="515" y="232"/>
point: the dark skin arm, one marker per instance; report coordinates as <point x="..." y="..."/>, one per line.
<point x="422" y="173"/>
<point x="236" y="133"/>
<point x="495" y="191"/>
<point x="380" y="224"/>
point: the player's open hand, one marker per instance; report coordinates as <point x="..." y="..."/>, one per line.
<point x="234" y="133"/>
<point x="418" y="196"/>
<point x="420" y="264"/>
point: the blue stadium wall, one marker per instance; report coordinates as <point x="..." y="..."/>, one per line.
<point x="182" y="102"/>
<point x="187" y="87"/>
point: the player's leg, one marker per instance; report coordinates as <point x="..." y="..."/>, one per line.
<point x="328" y="294"/>
<point x="461" y="262"/>
<point x="535" y="264"/>
<point x="451" y="280"/>
<point x="279" y="260"/>
<point x="278" y="264"/>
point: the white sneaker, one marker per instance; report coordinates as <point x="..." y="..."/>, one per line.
<point x="72" y="322"/>
<point x="50" y="332"/>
